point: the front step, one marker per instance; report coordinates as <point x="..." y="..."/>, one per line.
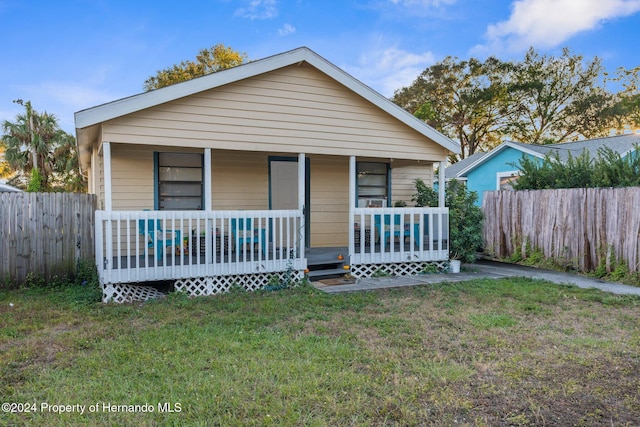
<point x="323" y="263"/>
<point x="327" y="273"/>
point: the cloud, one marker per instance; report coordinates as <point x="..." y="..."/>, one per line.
<point x="258" y="9"/>
<point x="548" y="23"/>
<point x="286" y="30"/>
<point x="390" y="69"/>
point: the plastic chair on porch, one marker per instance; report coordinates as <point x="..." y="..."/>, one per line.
<point x="146" y="228"/>
<point x="244" y="233"/>
<point x="386" y="230"/>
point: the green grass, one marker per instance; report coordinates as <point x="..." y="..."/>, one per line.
<point x="508" y="352"/>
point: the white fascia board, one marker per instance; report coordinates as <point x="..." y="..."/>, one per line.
<point x="145" y="100"/>
<point x="380" y="101"/>
<point x="152" y="98"/>
<point x="494" y="152"/>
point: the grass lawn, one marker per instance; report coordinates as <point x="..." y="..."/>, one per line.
<point x="507" y="352"/>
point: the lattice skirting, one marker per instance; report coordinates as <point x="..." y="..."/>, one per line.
<point x="218" y="284"/>
<point x="397" y="269"/>
<point x="127" y="292"/>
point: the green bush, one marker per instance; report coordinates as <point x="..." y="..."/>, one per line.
<point x="465" y="217"/>
<point x="607" y="169"/>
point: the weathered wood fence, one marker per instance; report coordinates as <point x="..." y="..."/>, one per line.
<point x="579" y="226"/>
<point x="44" y="234"/>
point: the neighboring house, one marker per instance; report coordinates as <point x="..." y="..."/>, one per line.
<point x="497" y="169"/>
<point x="251" y="171"/>
<point x="452" y="172"/>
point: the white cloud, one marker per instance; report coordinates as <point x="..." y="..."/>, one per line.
<point x="258" y="9"/>
<point x="548" y="23"/>
<point x="390" y="69"/>
<point x="286" y="30"/>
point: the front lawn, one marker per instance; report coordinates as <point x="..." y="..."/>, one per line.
<point x="507" y="352"/>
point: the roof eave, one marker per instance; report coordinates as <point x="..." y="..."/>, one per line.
<point x="494" y="152"/>
<point x="124" y="106"/>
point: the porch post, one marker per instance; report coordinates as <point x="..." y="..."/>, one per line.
<point x="207" y="180"/>
<point x="441" y="184"/>
<point x="106" y="158"/>
<point x="301" y="198"/>
<point x="352" y="203"/>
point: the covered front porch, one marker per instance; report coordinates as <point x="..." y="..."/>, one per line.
<point x="208" y="251"/>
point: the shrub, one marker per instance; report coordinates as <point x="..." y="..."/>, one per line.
<point x="607" y="169"/>
<point x="465" y="217"/>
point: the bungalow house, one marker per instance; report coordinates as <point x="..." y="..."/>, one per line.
<point x="259" y="171"/>
<point x="497" y="169"/>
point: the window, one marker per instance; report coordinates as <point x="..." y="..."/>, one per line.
<point x="373" y="184"/>
<point x="179" y="181"/>
<point x="505" y="180"/>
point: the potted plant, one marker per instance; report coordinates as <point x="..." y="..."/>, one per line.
<point x="465" y="219"/>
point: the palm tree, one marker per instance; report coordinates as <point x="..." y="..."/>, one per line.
<point x="31" y="142"/>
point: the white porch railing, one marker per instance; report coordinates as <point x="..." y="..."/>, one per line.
<point x="138" y="246"/>
<point x="394" y="235"/>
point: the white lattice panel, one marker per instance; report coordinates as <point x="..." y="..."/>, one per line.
<point x="127" y="292"/>
<point x="219" y="284"/>
<point x="397" y="269"/>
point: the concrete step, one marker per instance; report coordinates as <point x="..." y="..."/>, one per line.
<point x="323" y="274"/>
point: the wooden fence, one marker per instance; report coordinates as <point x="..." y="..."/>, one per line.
<point x="581" y="227"/>
<point x="44" y="234"/>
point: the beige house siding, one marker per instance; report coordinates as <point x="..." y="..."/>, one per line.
<point x="329" y="201"/>
<point x="290" y="110"/>
<point x="403" y="179"/>
<point x="240" y="181"/>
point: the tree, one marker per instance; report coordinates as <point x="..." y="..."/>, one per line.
<point x="216" y="58"/>
<point x="557" y="99"/>
<point x="37" y="150"/>
<point x="465" y="100"/>
<point x="625" y="112"/>
<point x="5" y="169"/>
<point x="539" y="100"/>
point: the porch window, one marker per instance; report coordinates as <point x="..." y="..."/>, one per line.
<point x="373" y="184"/>
<point x="179" y="181"/>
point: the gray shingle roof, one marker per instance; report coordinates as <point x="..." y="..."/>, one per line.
<point x="619" y="143"/>
<point x="453" y="170"/>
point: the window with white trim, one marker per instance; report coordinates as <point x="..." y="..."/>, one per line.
<point x="505" y="180"/>
<point x="179" y="181"/>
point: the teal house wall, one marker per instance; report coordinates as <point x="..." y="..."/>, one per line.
<point x="484" y="177"/>
<point x="481" y="173"/>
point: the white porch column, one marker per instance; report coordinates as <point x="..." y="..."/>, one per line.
<point x="207" y="180"/>
<point x="301" y="199"/>
<point x="106" y="159"/>
<point x="441" y="184"/>
<point x="352" y="202"/>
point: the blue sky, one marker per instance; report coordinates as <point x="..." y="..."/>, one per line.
<point x="69" y="55"/>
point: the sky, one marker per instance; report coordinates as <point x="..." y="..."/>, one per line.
<point x="68" y="55"/>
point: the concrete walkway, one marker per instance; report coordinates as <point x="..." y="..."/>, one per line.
<point x="482" y="270"/>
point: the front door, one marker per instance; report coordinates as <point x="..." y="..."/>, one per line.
<point x="283" y="187"/>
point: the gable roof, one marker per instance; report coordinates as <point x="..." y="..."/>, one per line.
<point x="622" y="144"/>
<point x="454" y="170"/>
<point x="92" y="117"/>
